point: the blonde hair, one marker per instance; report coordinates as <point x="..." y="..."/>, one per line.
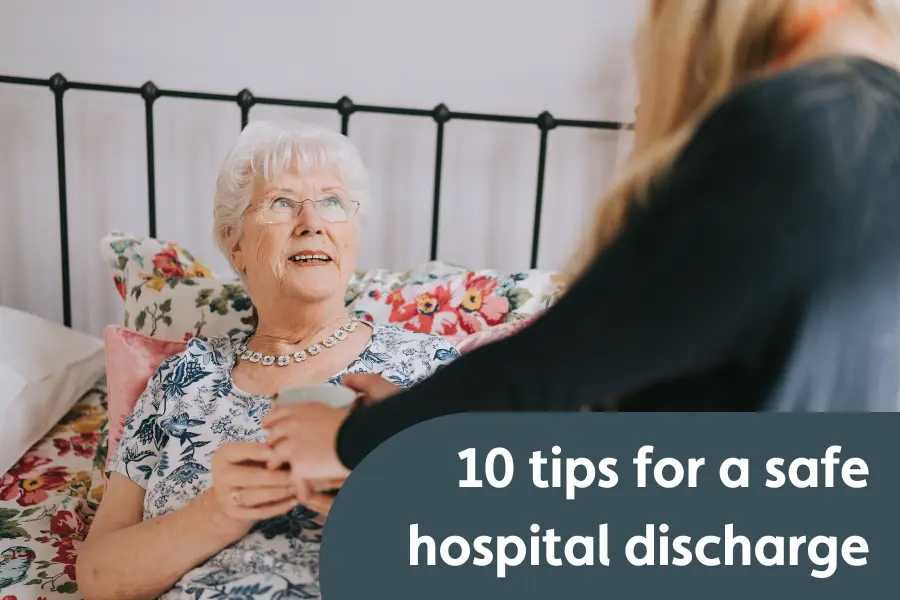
<point x="690" y="55"/>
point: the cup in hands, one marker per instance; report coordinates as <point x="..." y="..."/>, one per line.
<point x="244" y="491"/>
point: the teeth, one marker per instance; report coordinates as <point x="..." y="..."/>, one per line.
<point x="310" y="258"/>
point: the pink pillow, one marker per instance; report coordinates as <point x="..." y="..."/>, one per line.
<point x="465" y="344"/>
<point x="131" y="359"/>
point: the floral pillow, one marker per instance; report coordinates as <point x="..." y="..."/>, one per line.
<point x="169" y="294"/>
<point x="452" y="301"/>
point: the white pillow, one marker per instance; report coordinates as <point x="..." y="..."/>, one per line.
<point x="44" y="369"/>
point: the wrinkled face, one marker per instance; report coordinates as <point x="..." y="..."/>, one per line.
<point x="292" y="248"/>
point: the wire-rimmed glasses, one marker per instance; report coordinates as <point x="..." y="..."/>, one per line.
<point x="331" y="209"/>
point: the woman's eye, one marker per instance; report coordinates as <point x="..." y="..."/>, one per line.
<point x="330" y="202"/>
<point x="281" y="203"/>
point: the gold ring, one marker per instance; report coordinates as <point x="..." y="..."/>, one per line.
<point x="236" y="497"/>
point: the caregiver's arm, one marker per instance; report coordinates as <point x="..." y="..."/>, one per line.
<point x="744" y="221"/>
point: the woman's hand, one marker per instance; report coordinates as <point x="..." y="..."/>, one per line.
<point x="244" y="491"/>
<point x="303" y="436"/>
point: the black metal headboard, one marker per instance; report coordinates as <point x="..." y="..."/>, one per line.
<point x="246" y="100"/>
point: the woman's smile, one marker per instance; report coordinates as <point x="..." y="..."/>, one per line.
<point x="310" y="258"/>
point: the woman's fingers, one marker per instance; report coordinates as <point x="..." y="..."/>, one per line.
<point x="283" y="450"/>
<point x="260" y="497"/>
<point x="325" y="485"/>
<point x="239" y="452"/>
<point x="320" y="503"/>
<point x="255" y="477"/>
<point x="313" y="500"/>
<point x="267" y="511"/>
<point x="283" y="429"/>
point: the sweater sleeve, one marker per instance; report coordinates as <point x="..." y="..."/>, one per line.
<point x="738" y="227"/>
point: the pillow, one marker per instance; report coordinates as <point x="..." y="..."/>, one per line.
<point x="168" y="294"/>
<point x="44" y="369"/>
<point x="449" y="300"/>
<point x="131" y="360"/>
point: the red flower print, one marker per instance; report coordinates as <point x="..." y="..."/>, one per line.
<point x="476" y="307"/>
<point x="166" y="262"/>
<point x="188" y="336"/>
<point x="9" y="598"/>
<point x="71" y="531"/>
<point x="28" y="486"/>
<point x="375" y="295"/>
<point x="63" y="447"/>
<point x="428" y="312"/>
<point x="120" y="286"/>
<point x="395" y="299"/>
<point x="84" y="445"/>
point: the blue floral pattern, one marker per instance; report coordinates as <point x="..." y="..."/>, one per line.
<point x="190" y="407"/>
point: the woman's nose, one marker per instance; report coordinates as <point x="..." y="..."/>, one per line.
<point x="308" y="221"/>
<point x="303" y="231"/>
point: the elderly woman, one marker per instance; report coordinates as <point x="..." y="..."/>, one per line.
<point x="191" y="510"/>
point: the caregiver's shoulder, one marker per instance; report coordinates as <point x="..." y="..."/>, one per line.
<point x="828" y="108"/>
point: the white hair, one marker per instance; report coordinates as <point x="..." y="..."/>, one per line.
<point x="267" y="148"/>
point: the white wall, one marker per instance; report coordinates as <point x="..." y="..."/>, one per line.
<point x="570" y="57"/>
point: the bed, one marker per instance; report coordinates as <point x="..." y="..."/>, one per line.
<point x="48" y="498"/>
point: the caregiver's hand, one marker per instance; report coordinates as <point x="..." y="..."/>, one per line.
<point x="303" y="436"/>
<point x="375" y="387"/>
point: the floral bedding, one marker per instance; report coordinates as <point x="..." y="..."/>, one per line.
<point x="48" y="500"/>
<point x="169" y="294"/>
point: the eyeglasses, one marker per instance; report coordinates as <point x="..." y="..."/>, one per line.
<point x="331" y="209"/>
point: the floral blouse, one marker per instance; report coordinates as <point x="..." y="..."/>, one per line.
<point x="190" y="407"/>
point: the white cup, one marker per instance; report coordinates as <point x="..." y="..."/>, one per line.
<point x="333" y="395"/>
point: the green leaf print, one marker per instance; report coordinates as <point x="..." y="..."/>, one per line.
<point x="242" y="304"/>
<point x="9" y="525"/>
<point x="518" y="297"/>
<point x="231" y="291"/>
<point x="69" y="587"/>
<point x="141" y="320"/>
<point x="219" y="305"/>
<point x="203" y="297"/>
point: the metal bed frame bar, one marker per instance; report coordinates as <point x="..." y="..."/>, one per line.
<point x="245" y="101"/>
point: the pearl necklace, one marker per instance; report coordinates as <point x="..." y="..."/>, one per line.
<point x="299" y="356"/>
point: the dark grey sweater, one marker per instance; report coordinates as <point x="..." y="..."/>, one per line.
<point x="763" y="274"/>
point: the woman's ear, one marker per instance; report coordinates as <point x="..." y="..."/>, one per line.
<point x="237" y="257"/>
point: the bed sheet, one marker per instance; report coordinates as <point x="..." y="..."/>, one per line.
<point x="48" y="500"/>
